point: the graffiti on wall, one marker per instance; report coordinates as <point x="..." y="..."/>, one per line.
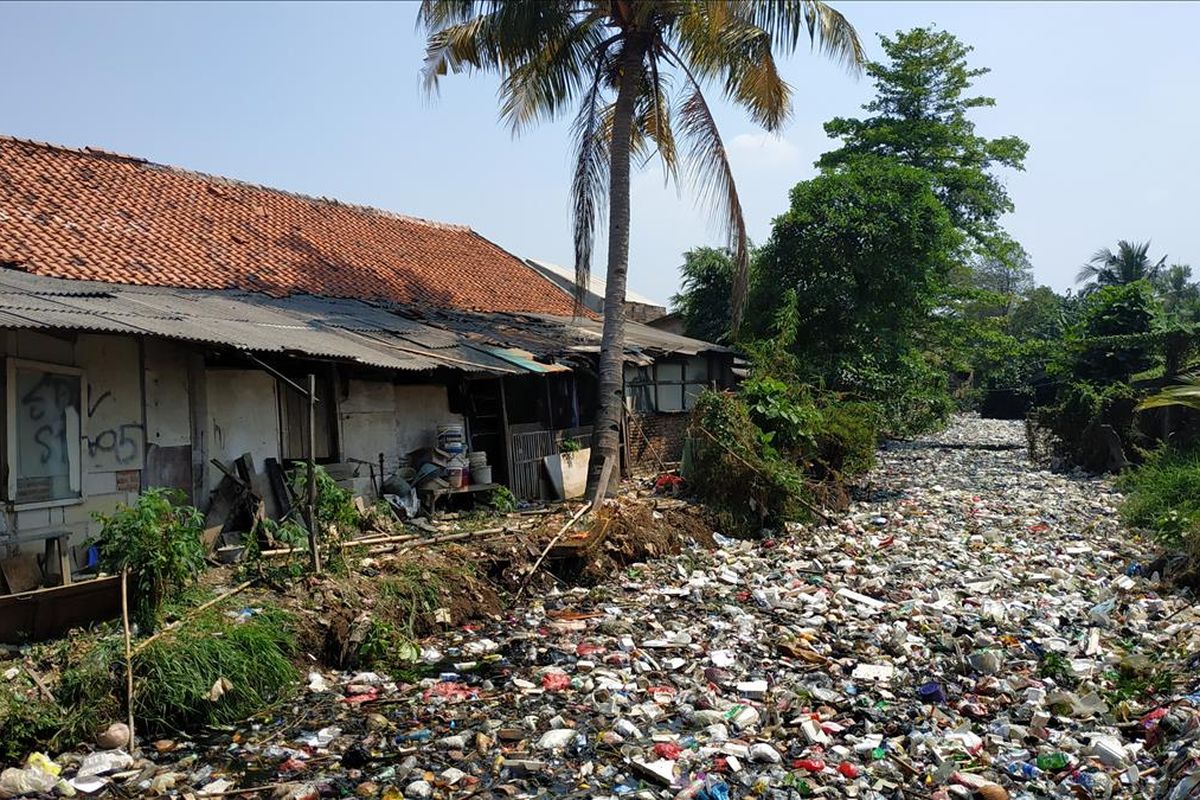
<point x="112" y="440"/>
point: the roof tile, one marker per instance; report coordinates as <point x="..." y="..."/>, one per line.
<point x="91" y="215"/>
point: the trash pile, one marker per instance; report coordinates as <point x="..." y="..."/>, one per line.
<point x="971" y="628"/>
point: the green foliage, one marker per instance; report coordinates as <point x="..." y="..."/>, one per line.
<point x="705" y="300"/>
<point x="1163" y="495"/>
<point x="26" y="720"/>
<point x="1129" y="264"/>
<point x="176" y="674"/>
<point x="385" y="647"/>
<point x="736" y="471"/>
<point x="919" y="118"/>
<point x="159" y="543"/>
<point x="335" y="505"/>
<point x="502" y="500"/>
<point x="570" y="446"/>
<point x="1112" y="337"/>
<point x="867" y="250"/>
<point x="1078" y="412"/>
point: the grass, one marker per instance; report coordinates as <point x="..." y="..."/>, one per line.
<point x="1163" y="496"/>
<point x="176" y="674"/>
<point x="174" y="677"/>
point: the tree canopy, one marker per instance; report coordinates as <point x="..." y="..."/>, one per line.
<point x="920" y="118"/>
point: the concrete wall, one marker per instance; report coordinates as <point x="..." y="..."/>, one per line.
<point x="113" y="433"/>
<point x="243" y="417"/>
<point x="394" y="419"/>
<point x="152" y="413"/>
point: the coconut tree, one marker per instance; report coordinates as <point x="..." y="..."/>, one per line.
<point x="1131" y="262"/>
<point x="633" y="73"/>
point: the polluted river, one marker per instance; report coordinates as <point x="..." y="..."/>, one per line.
<point x="971" y="627"/>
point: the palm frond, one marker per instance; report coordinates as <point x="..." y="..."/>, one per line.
<point x="787" y="20"/>
<point x="710" y="172"/>
<point x="589" y="185"/>
<point x="1184" y="394"/>
<point x="541" y="87"/>
<point x="1088" y="272"/>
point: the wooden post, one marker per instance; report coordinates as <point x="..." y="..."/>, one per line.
<point x="311" y="499"/>
<point x="128" y="654"/>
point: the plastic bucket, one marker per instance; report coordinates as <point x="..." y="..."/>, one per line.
<point x="456" y="477"/>
<point x="481" y="474"/>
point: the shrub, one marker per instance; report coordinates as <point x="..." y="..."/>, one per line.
<point x="848" y="438"/>
<point x="159" y="543"/>
<point x="734" y="468"/>
<point x="335" y="505"/>
<point x="1081" y="408"/>
<point x="27" y="722"/>
<point x="176" y="674"/>
<point x="1163" y="495"/>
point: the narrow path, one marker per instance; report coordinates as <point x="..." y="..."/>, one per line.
<point x="969" y="629"/>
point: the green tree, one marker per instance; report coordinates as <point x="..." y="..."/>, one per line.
<point x="703" y="302"/>
<point x="919" y="117"/>
<point x="867" y="248"/>
<point x="633" y="73"/>
<point x="1131" y="262"/>
<point x="1110" y="342"/>
<point x="1039" y="314"/>
<point x="1178" y="292"/>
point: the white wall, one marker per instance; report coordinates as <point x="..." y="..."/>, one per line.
<point x="113" y="446"/>
<point x="392" y="419"/>
<point x="243" y="417"/>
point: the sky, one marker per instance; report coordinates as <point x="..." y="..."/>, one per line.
<point x="326" y="99"/>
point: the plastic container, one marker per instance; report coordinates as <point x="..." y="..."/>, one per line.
<point x="456" y="477"/>
<point x="481" y="474"/>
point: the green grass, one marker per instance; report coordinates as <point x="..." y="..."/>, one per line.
<point x="176" y="674"/>
<point x="24" y="722"/>
<point x="1163" y="496"/>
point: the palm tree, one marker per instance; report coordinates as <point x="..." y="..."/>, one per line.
<point x="1176" y="288"/>
<point x="1130" y="263"/>
<point x="633" y="72"/>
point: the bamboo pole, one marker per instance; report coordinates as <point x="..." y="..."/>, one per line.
<point x="179" y="623"/>
<point x="561" y="531"/>
<point x="311" y="499"/>
<point x="128" y="653"/>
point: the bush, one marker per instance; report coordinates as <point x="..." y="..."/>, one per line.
<point x="848" y="438"/>
<point x="159" y="543"/>
<point x="335" y="505"/>
<point x="734" y="468"/>
<point x="1076" y="417"/>
<point x="176" y="674"/>
<point x="26" y="721"/>
<point x="1163" y="496"/>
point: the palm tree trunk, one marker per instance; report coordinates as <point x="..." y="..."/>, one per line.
<point x="611" y="402"/>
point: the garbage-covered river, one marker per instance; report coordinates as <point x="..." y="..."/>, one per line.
<point x="971" y="627"/>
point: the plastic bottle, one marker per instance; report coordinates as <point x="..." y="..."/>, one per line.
<point x="1052" y="761"/>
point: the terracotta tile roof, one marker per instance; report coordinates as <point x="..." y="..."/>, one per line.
<point x="92" y="215"/>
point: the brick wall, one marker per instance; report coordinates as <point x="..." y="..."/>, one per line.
<point x="665" y="433"/>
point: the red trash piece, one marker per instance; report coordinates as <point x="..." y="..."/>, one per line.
<point x="450" y="690"/>
<point x="848" y="769"/>
<point x="556" y="681"/>
<point x="667" y="750"/>
<point x="810" y="764"/>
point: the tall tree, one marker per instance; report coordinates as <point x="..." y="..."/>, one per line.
<point x="633" y="72"/>
<point x="703" y="302"/>
<point x="1178" y="291"/>
<point x="920" y="117"/>
<point x="1131" y="262"/>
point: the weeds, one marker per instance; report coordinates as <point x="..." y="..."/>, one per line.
<point x="1163" y="496"/>
<point x="25" y="721"/>
<point x="214" y="671"/>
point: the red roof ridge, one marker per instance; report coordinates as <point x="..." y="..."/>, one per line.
<point x="208" y="177"/>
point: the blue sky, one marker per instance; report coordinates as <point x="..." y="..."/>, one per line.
<point x="326" y="100"/>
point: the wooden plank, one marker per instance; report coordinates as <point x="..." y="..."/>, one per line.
<point x="21" y="573"/>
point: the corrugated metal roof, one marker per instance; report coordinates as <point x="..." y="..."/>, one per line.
<point x="389" y="337"/>
<point x="316" y="327"/>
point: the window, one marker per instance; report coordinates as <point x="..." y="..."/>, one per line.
<point x="667" y="386"/>
<point x="45" y="432"/>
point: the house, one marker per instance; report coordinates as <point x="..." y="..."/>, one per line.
<point x="157" y="324"/>
<point x="638" y="307"/>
